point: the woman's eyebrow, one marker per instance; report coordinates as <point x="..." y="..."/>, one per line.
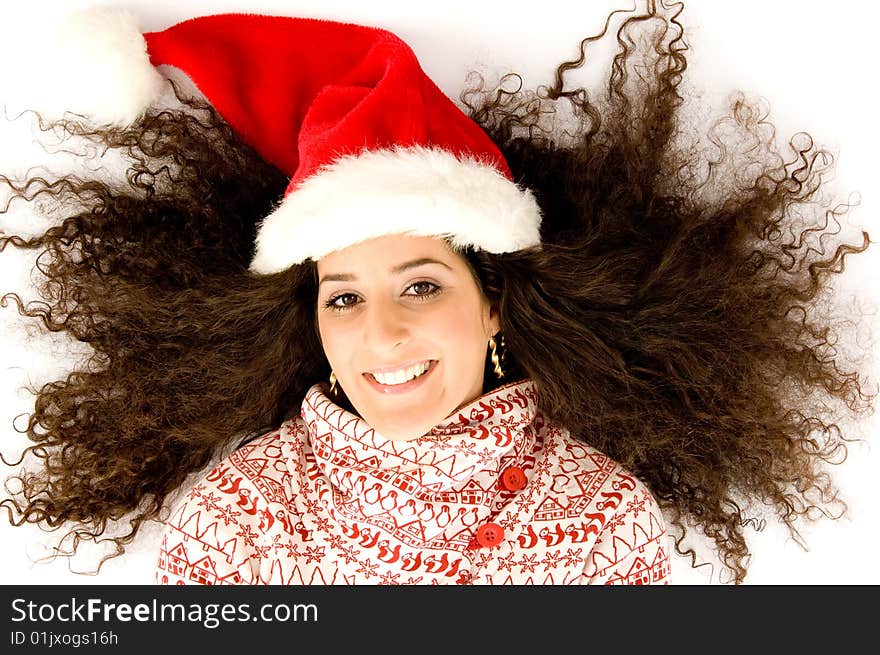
<point x="417" y="262"/>
<point x="340" y="277"/>
<point x="348" y="277"/>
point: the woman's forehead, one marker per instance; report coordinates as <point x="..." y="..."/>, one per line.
<point x="391" y="252"/>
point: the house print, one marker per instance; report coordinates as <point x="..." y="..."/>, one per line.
<point x="177" y="562"/>
<point x="232" y="578"/>
<point x="549" y="510"/>
<point x="472" y="493"/>
<point x="591" y="481"/>
<point x="203" y="571"/>
<point x="577" y="505"/>
<point x="642" y="573"/>
<point x="342" y="457"/>
<point x="447" y="496"/>
<point x="384" y="474"/>
<point x="660" y="567"/>
<point x="405" y="483"/>
<point x="412" y="533"/>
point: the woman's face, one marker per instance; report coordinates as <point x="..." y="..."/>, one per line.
<point x="405" y="329"/>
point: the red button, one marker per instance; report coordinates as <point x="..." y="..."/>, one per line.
<point x="513" y="478"/>
<point x="490" y="534"/>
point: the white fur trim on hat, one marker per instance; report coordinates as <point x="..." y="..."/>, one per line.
<point x="93" y="62"/>
<point x="412" y="190"/>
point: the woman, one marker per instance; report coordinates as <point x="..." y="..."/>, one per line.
<point x="404" y="471"/>
<point x="652" y="326"/>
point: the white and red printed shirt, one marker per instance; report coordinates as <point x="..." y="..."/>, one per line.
<point x="493" y="495"/>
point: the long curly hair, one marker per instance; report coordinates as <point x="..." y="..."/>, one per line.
<point x="672" y="316"/>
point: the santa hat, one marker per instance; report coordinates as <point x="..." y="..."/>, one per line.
<point x="372" y="146"/>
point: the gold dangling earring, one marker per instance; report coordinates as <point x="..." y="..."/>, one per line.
<point x="333" y="388"/>
<point x="495" y="359"/>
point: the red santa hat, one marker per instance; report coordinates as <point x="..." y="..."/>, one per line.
<point x="372" y="146"/>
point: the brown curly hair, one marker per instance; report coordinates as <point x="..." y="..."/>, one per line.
<point x="672" y="317"/>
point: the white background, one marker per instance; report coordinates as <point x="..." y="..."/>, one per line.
<point x="812" y="62"/>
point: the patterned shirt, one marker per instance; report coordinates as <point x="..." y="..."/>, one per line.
<point x="495" y="494"/>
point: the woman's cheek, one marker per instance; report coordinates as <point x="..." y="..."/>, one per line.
<point x="337" y="337"/>
<point x="457" y="323"/>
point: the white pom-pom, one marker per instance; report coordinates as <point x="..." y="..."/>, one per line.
<point x="93" y="63"/>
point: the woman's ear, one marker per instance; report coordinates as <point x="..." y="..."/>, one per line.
<point x="494" y="320"/>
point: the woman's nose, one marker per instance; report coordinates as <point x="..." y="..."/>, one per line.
<point x="386" y="326"/>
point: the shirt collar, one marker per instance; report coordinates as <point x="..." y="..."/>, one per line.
<point x="484" y="436"/>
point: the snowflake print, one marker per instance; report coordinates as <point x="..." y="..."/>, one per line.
<point x="368" y="569"/>
<point x="312" y="506"/>
<point x="389" y="578"/>
<point x="209" y="502"/>
<point x="292" y="550"/>
<point x="465" y="447"/>
<point x="573" y="557"/>
<point x="506" y="563"/>
<point x="543" y="467"/>
<point x="616" y="521"/>
<point x="486" y="456"/>
<point x="247" y="534"/>
<point x="528" y="563"/>
<point x="483" y="560"/>
<point x="348" y="554"/>
<point x="262" y="552"/>
<point x="334" y="540"/>
<point x="322" y="524"/>
<point x="635" y="506"/>
<point x="524" y="501"/>
<point x="509" y="520"/>
<point x="299" y="468"/>
<point x="551" y="560"/>
<point x="276" y="543"/>
<point x="196" y="491"/>
<point x="296" y="447"/>
<point x="227" y="514"/>
<point x="314" y="553"/>
<point x="511" y="422"/>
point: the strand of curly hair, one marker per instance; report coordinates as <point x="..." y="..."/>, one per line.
<point x="671" y="317"/>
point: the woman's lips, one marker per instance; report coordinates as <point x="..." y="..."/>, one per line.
<point x="401" y="388"/>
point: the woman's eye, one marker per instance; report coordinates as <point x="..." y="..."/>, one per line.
<point x="342" y="301"/>
<point x="423" y="289"/>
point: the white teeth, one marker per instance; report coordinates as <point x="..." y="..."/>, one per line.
<point x="402" y="375"/>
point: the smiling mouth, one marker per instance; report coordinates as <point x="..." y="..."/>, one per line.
<point x="402" y="375"/>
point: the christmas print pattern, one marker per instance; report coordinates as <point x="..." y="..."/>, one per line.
<point x="494" y="495"/>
